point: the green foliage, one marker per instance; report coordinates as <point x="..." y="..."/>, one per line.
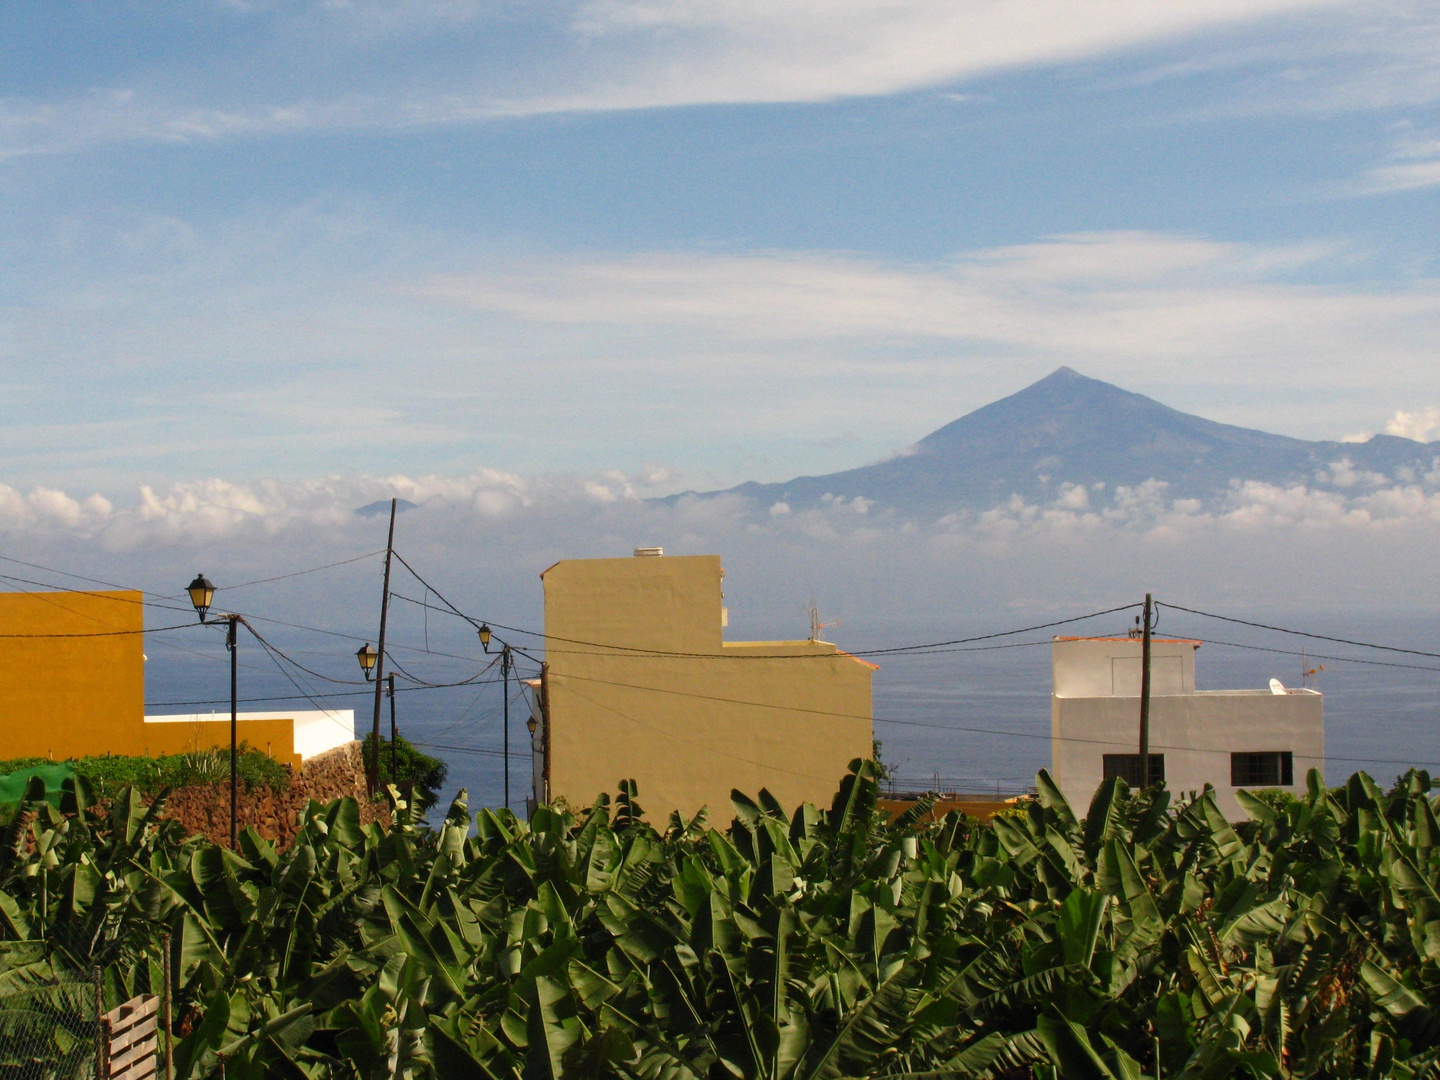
<point x="1144" y="939"/>
<point x="109" y="774"/>
<point x="883" y="772"/>
<point x="408" y="765"/>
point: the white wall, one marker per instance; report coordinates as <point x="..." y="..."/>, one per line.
<point x="1197" y="732"/>
<point x="1106" y="667"/>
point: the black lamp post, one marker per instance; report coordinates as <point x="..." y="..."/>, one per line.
<point x="202" y="595"/>
<point x="505" y="718"/>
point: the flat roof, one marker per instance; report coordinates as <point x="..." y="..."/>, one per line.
<point x="1154" y="640"/>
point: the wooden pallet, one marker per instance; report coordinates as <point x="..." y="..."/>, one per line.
<point x="131" y="1039"/>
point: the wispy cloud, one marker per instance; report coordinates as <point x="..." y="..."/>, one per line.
<point x="1104" y="302"/>
<point x="1413" y="163"/>
<point x="395" y="66"/>
<point x="557" y="362"/>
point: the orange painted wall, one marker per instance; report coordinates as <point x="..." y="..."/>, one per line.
<point x="72" y="684"/>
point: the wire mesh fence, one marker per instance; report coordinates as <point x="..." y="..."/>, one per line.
<point x="49" y="1016"/>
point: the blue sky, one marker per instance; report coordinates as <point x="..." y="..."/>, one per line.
<point x="694" y="243"/>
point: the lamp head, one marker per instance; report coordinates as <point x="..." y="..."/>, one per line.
<point x="367" y="655"/>
<point x="532" y="724"/>
<point x="485" y="636"/>
<point x="202" y="594"/>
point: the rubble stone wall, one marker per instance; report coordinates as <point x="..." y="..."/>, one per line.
<point x="204" y="809"/>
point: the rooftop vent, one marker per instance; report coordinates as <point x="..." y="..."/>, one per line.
<point x="649" y="553"/>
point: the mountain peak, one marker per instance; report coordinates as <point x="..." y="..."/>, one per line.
<point x="1070" y="430"/>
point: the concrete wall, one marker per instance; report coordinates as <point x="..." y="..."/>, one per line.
<point x="1105" y="667"/>
<point x="639" y="685"/>
<point x="72" y="670"/>
<point x="1196" y="731"/>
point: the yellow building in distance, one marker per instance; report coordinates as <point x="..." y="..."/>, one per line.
<point x="639" y="685"/>
<point x="72" y="684"/>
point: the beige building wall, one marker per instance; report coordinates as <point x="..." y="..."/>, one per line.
<point x="1095" y="710"/>
<point x="640" y="685"/>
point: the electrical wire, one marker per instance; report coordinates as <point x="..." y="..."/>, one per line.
<point x="1302" y="633"/>
<point x="593" y="646"/>
<point x="559" y="678"/>
<point x="300" y="573"/>
<point x="300" y="666"/>
<point x="103" y="633"/>
<point x="1321" y="656"/>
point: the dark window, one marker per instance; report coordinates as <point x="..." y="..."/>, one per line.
<point x="1127" y="767"/>
<point x="1271" y="768"/>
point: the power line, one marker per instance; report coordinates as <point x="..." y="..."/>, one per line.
<point x="104" y="633"/>
<point x="1304" y="634"/>
<point x="989" y="637"/>
<point x="300" y="573"/>
<point x="558" y="678"/>
<point x="1321" y="656"/>
<point x="593" y="646"/>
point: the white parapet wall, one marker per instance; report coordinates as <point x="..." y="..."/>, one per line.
<point x="314" y="731"/>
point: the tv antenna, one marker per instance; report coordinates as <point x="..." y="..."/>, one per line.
<point x="815" y="624"/>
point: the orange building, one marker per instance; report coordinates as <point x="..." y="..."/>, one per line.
<point x="72" y="684"/>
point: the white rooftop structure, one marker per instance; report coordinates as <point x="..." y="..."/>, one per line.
<point x="1229" y="739"/>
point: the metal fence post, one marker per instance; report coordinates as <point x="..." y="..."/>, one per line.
<point x="102" y="1069"/>
<point x="169" y="1031"/>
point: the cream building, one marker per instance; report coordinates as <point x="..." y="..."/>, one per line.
<point x="1230" y="739"/>
<point x="638" y="684"/>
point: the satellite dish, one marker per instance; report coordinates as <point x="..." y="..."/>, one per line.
<point x="1277" y="687"/>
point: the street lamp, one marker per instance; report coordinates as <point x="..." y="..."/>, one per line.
<point x="485" y="636"/>
<point x="367" y="655"/>
<point x="202" y="595"/>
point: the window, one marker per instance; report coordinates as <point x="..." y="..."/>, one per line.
<point x="1127" y="766"/>
<point x="1271" y="768"/>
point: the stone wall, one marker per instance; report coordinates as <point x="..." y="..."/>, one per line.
<point x="205" y="809"/>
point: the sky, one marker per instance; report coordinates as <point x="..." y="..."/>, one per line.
<point x="263" y="263"/>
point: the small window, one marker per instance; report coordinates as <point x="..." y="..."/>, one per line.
<point x="1127" y="767"/>
<point x="1271" y="768"/>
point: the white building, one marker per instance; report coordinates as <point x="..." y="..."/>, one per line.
<point x="1229" y="739"/>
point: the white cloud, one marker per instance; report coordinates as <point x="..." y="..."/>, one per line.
<point x="1174" y="305"/>
<point x="1421" y="425"/>
<point x="392" y="362"/>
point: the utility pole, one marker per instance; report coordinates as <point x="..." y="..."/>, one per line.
<point x="373" y="773"/>
<point x="505" y="720"/>
<point x="1145" y="695"/>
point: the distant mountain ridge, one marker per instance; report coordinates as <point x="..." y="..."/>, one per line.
<point x="1069" y="429"/>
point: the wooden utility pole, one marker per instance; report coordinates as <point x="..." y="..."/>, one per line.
<point x="373" y="772"/>
<point x="1145" y="695"/>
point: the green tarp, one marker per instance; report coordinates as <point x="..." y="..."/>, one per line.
<point x="13" y="785"/>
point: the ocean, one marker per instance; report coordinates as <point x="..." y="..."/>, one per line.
<point x="972" y="718"/>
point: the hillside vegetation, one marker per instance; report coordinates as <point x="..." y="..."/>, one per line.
<point x="1146" y="938"/>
